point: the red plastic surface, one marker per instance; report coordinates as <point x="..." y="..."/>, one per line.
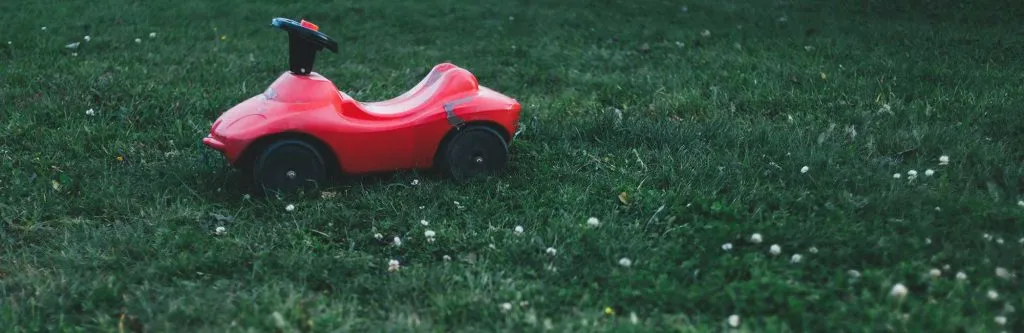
<point x="400" y="133"/>
<point x="309" y="25"/>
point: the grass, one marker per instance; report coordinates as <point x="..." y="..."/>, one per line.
<point x="109" y="220"/>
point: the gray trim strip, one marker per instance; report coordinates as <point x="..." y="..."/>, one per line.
<point x="449" y="110"/>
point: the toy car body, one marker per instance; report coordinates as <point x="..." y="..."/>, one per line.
<point x="447" y="120"/>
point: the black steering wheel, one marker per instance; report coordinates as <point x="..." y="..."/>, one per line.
<point x="297" y="29"/>
<point x="304" y="40"/>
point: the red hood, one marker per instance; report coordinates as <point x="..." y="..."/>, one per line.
<point x="299" y="89"/>
<point x="289" y="93"/>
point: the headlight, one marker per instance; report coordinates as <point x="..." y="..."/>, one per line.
<point x="246" y="121"/>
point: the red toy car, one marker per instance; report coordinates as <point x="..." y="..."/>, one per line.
<point x="302" y="129"/>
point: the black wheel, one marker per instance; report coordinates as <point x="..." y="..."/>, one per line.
<point x="474" y="151"/>
<point x="288" y="166"/>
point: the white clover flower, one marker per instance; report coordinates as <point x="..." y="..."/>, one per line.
<point x="755" y="238"/>
<point x="86" y="38"/>
<point x="999" y="240"/>
<point x="927" y="240"/>
<point x="90" y="112"/>
<point x="992" y="295"/>
<point x="393" y="265"/>
<point x="805" y="169"/>
<point x="961" y="276"/>
<point x="853" y="273"/>
<point x="734" y="321"/>
<point x="429" y="234"/>
<point x="43" y="28"/>
<point x="246" y="196"/>
<point x="1020" y="203"/>
<point x="775" y="249"/>
<point x="912" y="174"/>
<point x="491" y="245"/>
<point x="633" y="319"/>
<point x="378" y="236"/>
<point x="397" y="241"/>
<point x="152" y="35"/>
<point x="935" y="272"/>
<point x="290" y="208"/>
<point x="446" y="258"/>
<point x="593" y="222"/>
<point x="987" y="236"/>
<point x="625" y="262"/>
<point x="898" y="291"/>
<point x="424" y="223"/>
<point x="518" y="230"/>
<point x="929" y="172"/>
<point x="813" y="250"/>
<point x="415" y="182"/>
<point x="551" y="251"/>
<point x="727" y="246"/>
<point x="946" y="267"/>
<point x="943" y="160"/>
<point x="1000" y="320"/>
<point x="220" y="230"/>
<point x="138" y="40"/>
<point x="705" y="33"/>
<point x="896" y="175"/>
<point x="796" y="258"/>
<point x="505" y="307"/>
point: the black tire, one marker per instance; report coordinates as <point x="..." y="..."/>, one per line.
<point x="288" y="166"/>
<point x="474" y="151"/>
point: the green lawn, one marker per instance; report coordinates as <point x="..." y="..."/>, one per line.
<point x="702" y="112"/>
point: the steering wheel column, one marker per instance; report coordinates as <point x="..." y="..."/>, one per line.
<point x="304" y="41"/>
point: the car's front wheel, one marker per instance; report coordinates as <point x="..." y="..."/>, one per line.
<point x="288" y="166"/>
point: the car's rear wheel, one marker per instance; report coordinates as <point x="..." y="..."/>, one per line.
<point x="289" y="166"/>
<point x="474" y="151"/>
